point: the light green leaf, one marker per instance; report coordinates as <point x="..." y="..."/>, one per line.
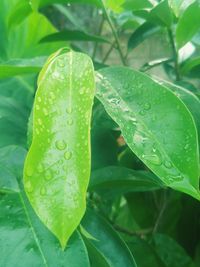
<point x="57" y="166"/>
<point x="49" y="2"/>
<point x="188" y="24"/>
<point x="108" y="242"/>
<point x="21" y="66"/>
<point x="155" y="124"/>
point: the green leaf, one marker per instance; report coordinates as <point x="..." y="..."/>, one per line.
<point x="11" y="162"/>
<point x="21" y="66"/>
<point x="162" y="14"/>
<point x="18" y="13"/>
<point x="137" y="4"/>
<point x="190" y="100"/>
<point x="170" y="252"/>
<point x="119" y="180"/>
<point x="25" y="241"/>
<point x="72" y="35"/>
<point x="108" y="242"/>
<point x="90" y="2"/>
<point x="57" y="167"/>
<point x="189" y="20"/>
<point x="144" y="31"/>
<point x="156" y="125"/>
<point x="191" y="66"/>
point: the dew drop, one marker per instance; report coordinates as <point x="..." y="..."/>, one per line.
<point x="52" y="95"/>
<point x="39" y="99"/>
<point x="40" y="168"/>
<point x="61" y="63"/>
<point x="61" y="145"/>
<point x="67" y="155"/>
<point x="142" y="112"/>
<point x="147" y="106"/>
<point x="153" y="159"/>
<point x="28" y="187"/>
<point x="39" y="121"/>
<point x="186" y="146"/>
<point x="45" y="111"/>
<point x="69" y="110"/>
<point x="48" y="175"/>
<point x="168" y="164"/>
<point x="29" y="171"/>
<point x="37" y="107"/>
<point x="43" y="191"/>
<point x="70" y="121"/>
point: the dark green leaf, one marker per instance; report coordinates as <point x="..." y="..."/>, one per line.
<point x="107" y="241"/>
<point x="72" y="35"/>
<point x="119" y="180"/>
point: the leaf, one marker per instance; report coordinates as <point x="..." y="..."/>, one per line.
<point x="192" y="65"/>
<point x="108" y="242"/>
<point x="119" y="180"/>
<point x="49" y="2"/>
<point x="190" y="100"/>
<point x="189" y="19"/>
<point x="25" y="241"/>
<point x="141" y="33"/>
<point x="171" y="253"/>
<point x="137" y="4"/>
<point x="140" y="248"/>
<point x="18" y="13"/>
<point x="21" y="66"/>
<point x="72" y="35"/>
<point x="162" y="14"/>
<point x="155" y="124"/>
<point x="57" y="167"/>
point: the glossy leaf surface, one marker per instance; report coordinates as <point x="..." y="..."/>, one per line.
<point x="25" y="241"/>
<point x="115" y="180"/>
<point x="57" y="167"/>
<point x="156" y="125"/>
<point x="107" y="241"/>
<point x="189" y="20"/>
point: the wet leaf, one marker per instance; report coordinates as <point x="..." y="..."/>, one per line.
<point x="57" y="166"/>
<point x="155" y="124"/>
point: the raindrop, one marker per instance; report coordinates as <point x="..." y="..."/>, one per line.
<point x="69" y="110"/>
<point x="61" y="63"/>
<point x="186" y="146"/>
<point x="168" y="164"/>
<point x="29" y="171"/>
<point x="45" y="111"/>
<point x="39" y="99"/>
<point x="37" y="107"/>
<point x="67" y="155"/>
<point x="153" y="159"/>
<point x="147" y="106"/>
<point x="70" y="121"/>
<point x="142" y="112"/>
<point x="48" y="175"/>
<point x="43" y="191"/>
<point x="28" y="187"/>
<point x="40" y="168"/>
<point x="61" y="145"/>
<point x="39" y="121"/>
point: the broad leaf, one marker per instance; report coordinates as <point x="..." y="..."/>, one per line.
<point x="57" y="166"/>
<point x="156" y="125"/>
<point x="189" y="20"/>
<point x="107" y="241"/>
<point x="137" y="4"/>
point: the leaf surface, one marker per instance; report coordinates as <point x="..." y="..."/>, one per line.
<point x="156" y="125"/>
<point x="57" y="166"/>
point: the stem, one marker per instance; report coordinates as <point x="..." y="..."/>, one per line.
<point x="175" y="54"/>
<point x="164" y="204"/>
<point x="108" y="53"/>
<point x="114" y="33"/>
<point x="99" y="33"/>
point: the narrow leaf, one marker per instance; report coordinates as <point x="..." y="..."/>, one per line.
<point x="72" y="35"/>
<point x="57" y="166"/>
<point x="155" y="123"/>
